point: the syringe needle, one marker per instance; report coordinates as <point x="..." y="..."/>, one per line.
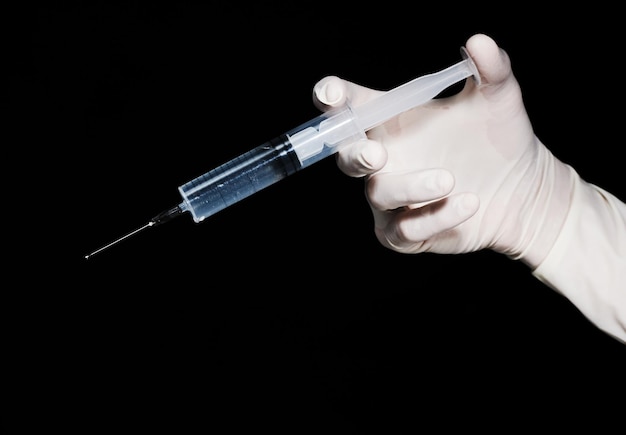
<point x="164" y="216"/>
<point x="149" y="224"/>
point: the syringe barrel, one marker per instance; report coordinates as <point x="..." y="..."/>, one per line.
<point x="324" y="135"/>
<point x="268" y="163"/>
<point x="239" y="178"/>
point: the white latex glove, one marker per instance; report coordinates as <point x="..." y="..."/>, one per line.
<point x="467" y="172"/>
<point x="462" y="173"/>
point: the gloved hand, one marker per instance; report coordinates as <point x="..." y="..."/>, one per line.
<point x="461" y="173"/>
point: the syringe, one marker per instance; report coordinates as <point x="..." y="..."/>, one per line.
<point x="302" y="146"/>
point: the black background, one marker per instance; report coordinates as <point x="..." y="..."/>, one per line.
<point x="281" y="313"/>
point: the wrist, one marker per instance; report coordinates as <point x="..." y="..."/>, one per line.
<point x="544" y="213"/>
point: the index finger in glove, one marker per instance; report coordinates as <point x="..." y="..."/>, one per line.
<point x="332" y="91"/>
